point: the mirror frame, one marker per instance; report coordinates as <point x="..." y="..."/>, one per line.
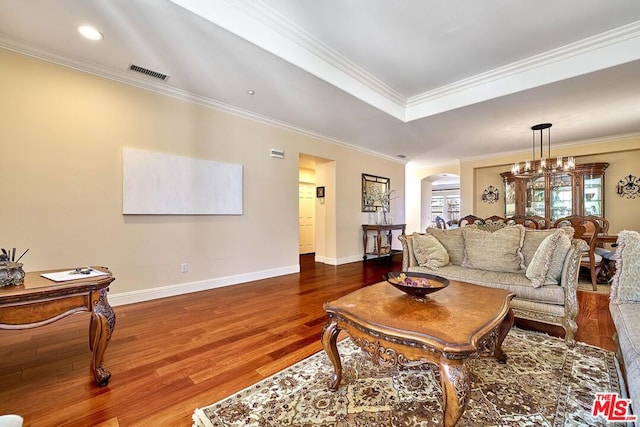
<point x="372" y="187"/>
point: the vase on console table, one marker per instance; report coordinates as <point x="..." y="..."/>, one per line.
<point x="379" y="216"/>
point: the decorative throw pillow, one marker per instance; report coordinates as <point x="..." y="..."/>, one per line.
<point x="452" y="241"/>
<point x="546" y="265"/>
<point x="429" y="252"/>
<point x="532" y="240"/>
<point x="626" y="282"/>
<point x="493" y="251"/>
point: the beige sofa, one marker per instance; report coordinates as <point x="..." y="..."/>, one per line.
<point x="539" y="266"/>
<point x="625" y="311"/>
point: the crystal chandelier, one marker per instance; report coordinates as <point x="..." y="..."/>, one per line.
<point x="543" y="164"/>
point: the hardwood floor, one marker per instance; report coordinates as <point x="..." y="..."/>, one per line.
<point x="169" y="356"/>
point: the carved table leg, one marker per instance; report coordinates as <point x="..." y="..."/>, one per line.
<point x="503" y="330"/>
<point x="103" y="321"/>
<point x="329" y="337"/>
<point x="454" y="377"/>
<point x="364" y="244"/>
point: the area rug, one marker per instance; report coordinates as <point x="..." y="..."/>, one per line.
<point x="586" y="286"/>
<point x="544" y="383"/>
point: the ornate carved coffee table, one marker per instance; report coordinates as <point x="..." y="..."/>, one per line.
<point x="447" y="328"/>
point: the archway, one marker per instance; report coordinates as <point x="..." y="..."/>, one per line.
<point x="440" y="196"/>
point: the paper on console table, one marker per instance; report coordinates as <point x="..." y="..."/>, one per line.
<point x="63" y="276"/>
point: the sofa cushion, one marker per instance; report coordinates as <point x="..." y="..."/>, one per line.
<point x="429" y="252"/>
<point x="513" y="282"/>
<point x="532" y="239"/>
<point x="452" y="241"/>
<point x="546" y="265"/>
<point x="626" y="318"/>
<point x="626" y="281"/>
<point x="493" y="251"/>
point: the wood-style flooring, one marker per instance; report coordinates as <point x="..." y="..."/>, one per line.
<point x="169" y="356"/>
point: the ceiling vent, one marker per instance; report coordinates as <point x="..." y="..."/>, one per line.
<point x="148" y="72"/>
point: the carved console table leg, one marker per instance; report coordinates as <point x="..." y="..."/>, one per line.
<point x="103" y="321"/>
<point x="504" y="328"/>
<point x="329" y="337"/>
<point x="454" y="377"/>
<point x="364" y="244"/>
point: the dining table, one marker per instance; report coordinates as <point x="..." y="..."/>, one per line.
<point x="603" y="238"/>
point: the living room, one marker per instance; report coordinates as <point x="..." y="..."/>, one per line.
<point x="65" y="128"/>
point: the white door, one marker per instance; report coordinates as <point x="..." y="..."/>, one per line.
<point x="306" y="220"/>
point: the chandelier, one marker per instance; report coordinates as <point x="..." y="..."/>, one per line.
<point x="544" y="164"/>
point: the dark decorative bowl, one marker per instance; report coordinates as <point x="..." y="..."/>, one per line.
<point x="418" y="285"/>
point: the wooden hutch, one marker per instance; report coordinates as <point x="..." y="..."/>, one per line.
<point x="556" y="194"/>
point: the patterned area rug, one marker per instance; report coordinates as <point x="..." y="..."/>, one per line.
<point x="544" y="383"/>
<point x="586" y="286"/>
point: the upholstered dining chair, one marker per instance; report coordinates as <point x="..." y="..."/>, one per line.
<point x="527" y="221"/>
<point x="543" y="223"/>
<point x="585" y="228"/>
<point x="495" y="219"/>
<point x="469" y="220"/>
<point x="440" y="223"/>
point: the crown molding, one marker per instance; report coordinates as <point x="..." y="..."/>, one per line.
<point x="131" y="79"/>
<point x="595" y="53"/>
<point x="260" y="25"/>
<point x="263" y="26"/>
<point x="287" y="28"/>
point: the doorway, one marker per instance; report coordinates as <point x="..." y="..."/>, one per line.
<point x="306" y="204"/>
<point x="441" y="199"/>
<point x="306" y="218"/>
<point x="317" y="211"/>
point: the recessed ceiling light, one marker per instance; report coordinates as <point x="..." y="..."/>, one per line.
<point x="90" y="32"/>
<point x="251" y="92"/>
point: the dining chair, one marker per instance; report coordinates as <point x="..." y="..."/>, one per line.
<point x="469" y="220"/>
<point x="440" y="223"/>
<point x="494" y="219"/>
<point x="543" y="223"/>
<point x="605" y="272"/>
<point x="603" y="223"/>
<point x="527" y="221"/>
<point x="586" y="229"/>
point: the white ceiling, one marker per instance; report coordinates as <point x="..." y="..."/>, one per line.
<point x="432" y="80"/>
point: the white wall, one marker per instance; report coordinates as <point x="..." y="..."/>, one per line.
<point x="63" y="133"/>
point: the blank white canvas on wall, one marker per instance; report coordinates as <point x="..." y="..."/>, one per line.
<point x="164" y="184"/>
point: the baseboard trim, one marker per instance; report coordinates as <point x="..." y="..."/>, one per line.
<point x="349" y="259"/>
<point x="337" y="261"/>
<point x="325" y="260"/>
<point x="133" y="297"/>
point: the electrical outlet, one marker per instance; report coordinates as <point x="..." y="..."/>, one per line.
<point x="184" y="267"/>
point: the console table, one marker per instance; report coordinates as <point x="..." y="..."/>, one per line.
<point x="40" y="301"/>
<point x="380" y="229"/>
